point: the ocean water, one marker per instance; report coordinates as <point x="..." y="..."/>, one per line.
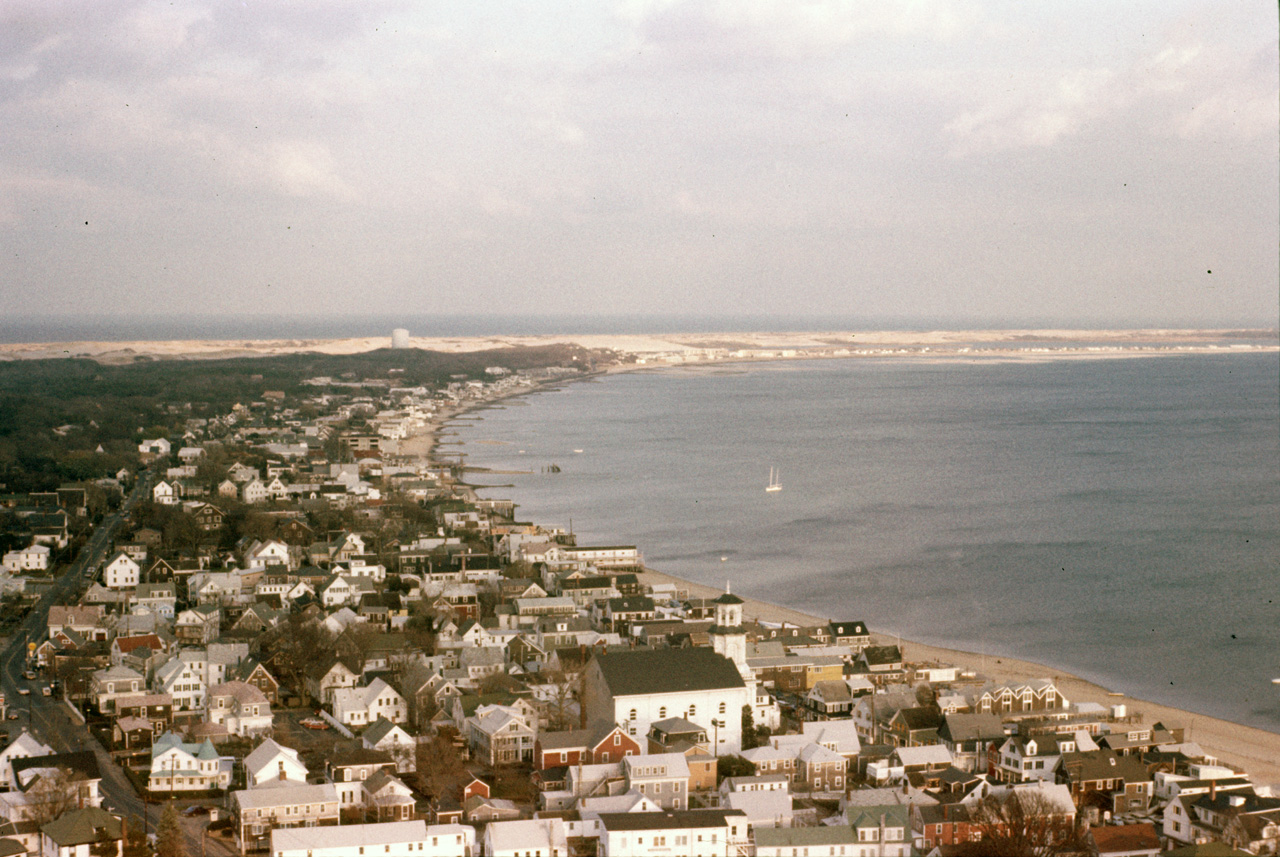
<point x="153" y="327"/>
<point x="159" y="327"/>
<point x="1115" y="518"/>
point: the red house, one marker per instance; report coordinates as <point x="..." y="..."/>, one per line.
<point x="945" y="824"/>
<point x="477" y="787"/>
<point x="598" y="746"/>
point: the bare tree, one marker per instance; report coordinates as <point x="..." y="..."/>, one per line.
<point x="560" y="705"/>
<point x="397" y="665"/>
<point x="299" y="643"/>
<point x="354" y="643"/>
<point x="1023" y="823"/>
<point x="440" y="766"/>
<point x="52" y="794"/>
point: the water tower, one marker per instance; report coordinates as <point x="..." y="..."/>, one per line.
<point x="399" y="338"/>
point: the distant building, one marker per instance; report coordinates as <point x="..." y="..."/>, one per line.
<point x="399" y="338"/>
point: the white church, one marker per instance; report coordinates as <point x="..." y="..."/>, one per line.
<point x="709" y="687"/>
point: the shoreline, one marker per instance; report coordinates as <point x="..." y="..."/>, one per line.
<point x="1254" y="750"/>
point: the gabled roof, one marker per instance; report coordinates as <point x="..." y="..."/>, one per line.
<point x="640" y="672"/>
<point x="882" y="655"/>
<point x="83" y="827"/>
<point x="928" y="754"/>
<point x="354" y="755"/>
<point x="920" y="718"/>
<point x="286" y="795"/>
<point x="574" y="739"/>
<point x="380" y="779"/>
<point x="832" y="691"/>
<point x="803" y="837"/>
<point x="1124" y="838"/>
<point x="870" y="816"/>
<point x="690" y="819"/>
<point x="631" y="604"/>
<point x="240" y="691"/>
<point x="127" y="645"/>
<point x="971" y="727"/>
<point x="82" y="765"/>
<point x="676" y="726"/>
<point x="381" y="728"/>
<point x="267" y="752"/>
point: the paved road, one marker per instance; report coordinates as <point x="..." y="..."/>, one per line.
<point x="44" y="716"/>
<point x="53" y="722"/>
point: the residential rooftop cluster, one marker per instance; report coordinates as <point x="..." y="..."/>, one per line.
<point x="335" y="647"/>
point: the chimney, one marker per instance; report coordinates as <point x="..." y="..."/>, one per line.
<point x="1213" y="789"/>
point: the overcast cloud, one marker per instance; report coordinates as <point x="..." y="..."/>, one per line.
<point x="1084" y="160"/>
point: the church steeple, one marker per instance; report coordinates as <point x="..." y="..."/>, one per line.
<point x="728" y="637"/>
<point x="728" y="611"/>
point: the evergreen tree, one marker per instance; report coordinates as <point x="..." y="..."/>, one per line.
<point x="169" y="841"/>
<point x="135" y="844"/>
<point x="750" y="740"/>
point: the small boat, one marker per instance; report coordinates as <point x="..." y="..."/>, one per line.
<point x="774" y="483"/>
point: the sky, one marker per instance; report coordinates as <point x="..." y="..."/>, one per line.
<point x="1090" y="162"/>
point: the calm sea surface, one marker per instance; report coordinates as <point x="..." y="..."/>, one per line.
<point x="1115" y="518"/>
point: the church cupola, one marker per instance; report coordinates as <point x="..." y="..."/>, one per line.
<point x="728" y="637"/>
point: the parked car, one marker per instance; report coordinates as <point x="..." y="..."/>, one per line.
<point x="29" y="675"/>
<point x="46" y="690"/>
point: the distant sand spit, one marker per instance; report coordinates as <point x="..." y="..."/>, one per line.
<point x="1255" y="750"/>
<point x="682" y="347"/>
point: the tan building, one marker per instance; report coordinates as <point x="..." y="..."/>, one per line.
<point x="256" y="812"/>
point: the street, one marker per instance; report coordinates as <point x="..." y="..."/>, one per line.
<point x="45" y="717"/>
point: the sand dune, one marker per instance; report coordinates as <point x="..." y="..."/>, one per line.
<point x="681" y="347"/>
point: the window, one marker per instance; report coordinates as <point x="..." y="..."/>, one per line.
<point x="633" y="715"/>
<point x="662" y="713"/>
<point x="722" y="708"/>
<point x="693" y="711"/>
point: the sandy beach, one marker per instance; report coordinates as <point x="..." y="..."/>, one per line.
<point x="1254" y="750"/>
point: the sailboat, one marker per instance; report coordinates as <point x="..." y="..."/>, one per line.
<point x="774" y="484"/>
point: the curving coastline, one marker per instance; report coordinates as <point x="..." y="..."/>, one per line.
<point x="1255" y="750"/>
